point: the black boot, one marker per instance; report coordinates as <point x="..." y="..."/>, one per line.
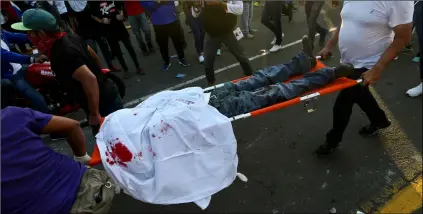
<point x="326" y="149"/>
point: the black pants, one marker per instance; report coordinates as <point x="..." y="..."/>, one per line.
<point x="271" y="18"/>
<point x="172" y="30"/>
<point x="343" y="108"/>
<point x="116" y="51"/>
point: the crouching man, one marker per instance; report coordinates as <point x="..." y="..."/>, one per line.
<point x="36" y="179"/>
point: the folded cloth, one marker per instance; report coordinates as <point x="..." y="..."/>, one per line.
<point x="172" y="148"/>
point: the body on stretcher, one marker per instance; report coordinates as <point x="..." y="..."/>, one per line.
<point x="307" y="98"/>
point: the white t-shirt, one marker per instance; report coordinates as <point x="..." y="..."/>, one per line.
<point x="16" y="66"/>
<point x="367" y="29"/>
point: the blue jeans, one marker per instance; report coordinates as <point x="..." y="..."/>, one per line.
<point x="140" y="23"/>
<point x="197" y="28"/>
<point x="23" y="87"/>
<point x="418" y="23"/>
<point x="266" y="87"/>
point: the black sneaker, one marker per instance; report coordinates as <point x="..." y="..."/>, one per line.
<point x="371" y="130"/>
<point x="326" y="149"/>
<point x="344" y="70"/>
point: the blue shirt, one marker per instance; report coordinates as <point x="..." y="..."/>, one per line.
<point x="34" y="178"/>
<point x="8" y="56"/>
<point x="160" y="14"/>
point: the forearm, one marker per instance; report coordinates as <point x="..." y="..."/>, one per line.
<point x="92" y="92"/>
<point x="333" y="41"/>
<point x="76" y="140"/>
<point x="390" y="53"/>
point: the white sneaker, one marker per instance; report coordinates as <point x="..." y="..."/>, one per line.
<point x="274" y="40"/>
<point x="275" y="48"/>
<point x="201" y="59"/>
<point x="416" y="91"/>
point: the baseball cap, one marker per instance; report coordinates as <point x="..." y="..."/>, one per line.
<point x="36" y="19"/>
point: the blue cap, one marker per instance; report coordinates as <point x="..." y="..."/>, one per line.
<point x="36" y="19"/>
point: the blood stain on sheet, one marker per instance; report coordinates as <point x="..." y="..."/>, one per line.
<point x="135" y="114"/>
<point x="151" y="150"/>
<point x="118" y="153"/>
<point x="164" y="127"/>
<point x="185" y="101"/>
<point x="153" y="135"/>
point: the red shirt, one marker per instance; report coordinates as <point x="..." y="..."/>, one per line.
<point x="133" y="8"/>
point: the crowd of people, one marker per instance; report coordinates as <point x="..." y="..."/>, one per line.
<point x="67" y="33"/>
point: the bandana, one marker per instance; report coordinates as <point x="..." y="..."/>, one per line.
<point x="44" y="45"/>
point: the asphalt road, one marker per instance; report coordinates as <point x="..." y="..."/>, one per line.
<point x="275" y="149"/>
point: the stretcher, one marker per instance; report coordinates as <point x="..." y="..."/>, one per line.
<point x="307" y="98"/>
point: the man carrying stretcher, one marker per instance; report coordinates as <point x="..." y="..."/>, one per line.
<point x="266" y="86"/>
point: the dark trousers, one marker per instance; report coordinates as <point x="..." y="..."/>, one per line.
<point x="104" y="47"/>
<point x="116" y="51"/>
<point x="213" y="43"/>
<point x="312" y="11"/>
<point x="342" y="109"/>
<point x="172" y="31"/>
<point x="271" y="18"/>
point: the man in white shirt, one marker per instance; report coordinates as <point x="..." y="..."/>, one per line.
<point x="220" y="19"/>
<point x="372" y="33"/>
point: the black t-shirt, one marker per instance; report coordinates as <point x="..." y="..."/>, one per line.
<point x="109" y="9"/>
<point x="67" y="55"/>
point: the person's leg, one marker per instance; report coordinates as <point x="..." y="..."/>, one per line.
<point x="312" y="12"/>
<point x="127" y="43"/>
<point x="236" y="49"/>
<point x="343" y="109"/>
<point x="95" y="194"/>
<point x="193" y="24"/>
<point x="250" y="18"/>
<point x="135" y="22"/>
<point x="177" y="40"/>
<point x="211" y="44"/>
<point x="244" y="21"/>
<point x="418" y="18"/>
<point x="276" y="19"/>
<point x="116" y="51"/>
<point x="298" y="65"/>
<point x="22" y="86"/>
<point x="242" y="102"/>
<point x="265" y="16"/>
<point x="147" y="31"/>
<point x="105" y="50"/>
<point x="162" y="40"/>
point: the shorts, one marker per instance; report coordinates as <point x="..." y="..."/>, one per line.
<point x="95" y="194"/>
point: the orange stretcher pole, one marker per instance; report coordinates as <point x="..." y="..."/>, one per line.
<point x="95" y="156"/>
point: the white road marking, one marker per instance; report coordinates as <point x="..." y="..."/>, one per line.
<point x="180" y="85"/>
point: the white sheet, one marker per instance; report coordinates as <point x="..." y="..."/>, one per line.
<point x="183" y="150"/>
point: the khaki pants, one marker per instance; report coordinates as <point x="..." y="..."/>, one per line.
<point x="95" y="193"/>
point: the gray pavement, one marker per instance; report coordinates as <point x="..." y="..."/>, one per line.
<point x="275" y="149"/>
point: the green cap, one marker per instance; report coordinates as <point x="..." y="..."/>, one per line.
<point x="36" y="19"/>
